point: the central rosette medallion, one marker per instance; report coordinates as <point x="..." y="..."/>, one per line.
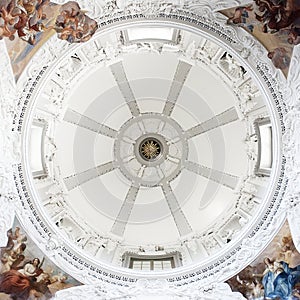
<point x="150" y="149"/>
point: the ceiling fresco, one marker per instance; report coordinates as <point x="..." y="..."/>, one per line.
<point x="26" y="25"/>
<point x="275" y="274"/>
<point x="25" y="273"/>
<point x="275" y="23"/>
<point x="78" y="209"/>
<point x="26" y="19"/>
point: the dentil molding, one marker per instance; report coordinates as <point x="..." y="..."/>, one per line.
<point x="246" y="50"/>
<point x="99" y="8"/>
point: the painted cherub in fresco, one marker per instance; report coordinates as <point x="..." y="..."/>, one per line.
<point x="73" y="25"/>
<point x="8" y="19"/>
<point x="294" y="36"/>
<point x="10" y="242"/>
<point x="252" y="288"/>
<point x="22" y="17"/>
<point x="58" y="282"/>
<point x="240" y="15"/>
<point x="26" y="18"/>
<point x="277" y="15"/>
<point x="280" y="58"/>
<point x="12" y="255"/>
<point x="31" y="22"/>
<point x="287" y="252"/>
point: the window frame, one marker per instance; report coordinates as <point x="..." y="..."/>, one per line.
<point x="43" y="173"/>
<point x="174" y="257"/>
<point x="258" y="170"/>
<point x="174" y="40"/>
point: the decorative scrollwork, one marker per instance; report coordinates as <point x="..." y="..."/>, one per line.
<point x="230" y="259"/>
<point x="10" y="150"/>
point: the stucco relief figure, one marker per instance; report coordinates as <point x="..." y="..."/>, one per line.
<point x="72" y="230"/>
<point x="55" y="203"/>
<point x="247" y="92"/>
<point x="73" y="25"/>
<point x="231" y="67"/>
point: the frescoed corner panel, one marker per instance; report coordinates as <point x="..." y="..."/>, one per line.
<point x="25" y="273"/>
<point x="275" y="274"/>
<point x="20" y="51"/>
<point x="275" y="23"/>
<point x="27" y="25"/>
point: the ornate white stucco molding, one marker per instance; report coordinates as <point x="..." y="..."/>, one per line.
<point x="99" y="8"/>
<point x="291" y="144"/>
<point x="207" y="6"/>
<point x="232" y="258"/>
<point x="153" y="289"/>
<point x="10" y="152"/>
<point x="65" y="255"/>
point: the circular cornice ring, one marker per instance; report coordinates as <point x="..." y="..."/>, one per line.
<point x="232" y="258"/>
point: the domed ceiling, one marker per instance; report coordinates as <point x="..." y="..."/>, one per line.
<point x="160" y="136"/>
<point x="152" y="147"/>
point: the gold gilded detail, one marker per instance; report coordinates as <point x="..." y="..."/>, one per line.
<point x="150" y="149"/>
